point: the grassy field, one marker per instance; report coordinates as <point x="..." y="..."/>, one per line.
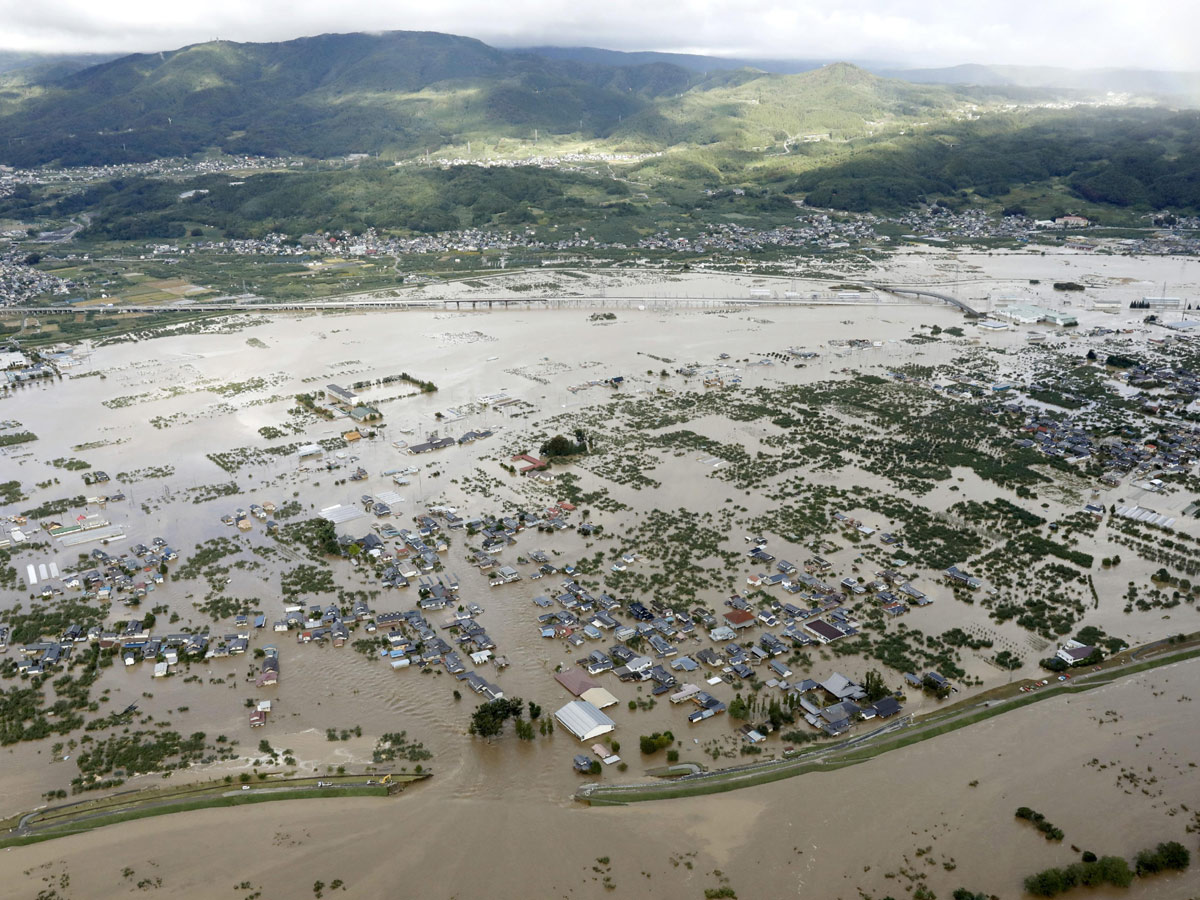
<point x="204" y="803"/>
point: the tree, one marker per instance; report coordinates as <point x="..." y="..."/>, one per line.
<point x="1114" y="870"/>
<point x="1165" y="857"/>
<point x="488" y="718"/>
<point x="561" y="445"/>
<point x="874" y="686"/>
<point x="1106" y="870"/>
<point x="1174" y="855"/>
<point x="654" y="742"/>
<point x="485" y="722"/>
<point x="1047" y="883"/>
<point x="738" y="708"/>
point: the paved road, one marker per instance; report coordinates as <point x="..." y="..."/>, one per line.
<point x="925" y="292"/>
<point x="24" y="827"/>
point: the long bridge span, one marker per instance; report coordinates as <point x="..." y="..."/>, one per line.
<point x="366" y="303"/>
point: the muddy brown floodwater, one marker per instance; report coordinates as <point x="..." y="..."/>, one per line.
<point x="1114" y="768"/>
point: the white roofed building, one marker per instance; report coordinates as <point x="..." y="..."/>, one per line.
<point x="584" y="720"/>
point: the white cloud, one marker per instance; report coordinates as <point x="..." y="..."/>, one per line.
<point x="1073" y="33"/>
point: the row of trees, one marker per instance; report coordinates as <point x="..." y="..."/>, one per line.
<point x="1094" y="871"/>
<point x="1052" y="832"/>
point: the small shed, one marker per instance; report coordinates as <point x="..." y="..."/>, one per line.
<point x="599" y="698"/>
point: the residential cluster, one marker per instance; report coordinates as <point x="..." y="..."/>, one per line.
<point x="172" y="167"/>
<point x="678" y="654"/>
<point x="21" y="282"/>
<point x="819" y="232"/>
<point x="128" y="577"/>
<point x="569" y="161"/>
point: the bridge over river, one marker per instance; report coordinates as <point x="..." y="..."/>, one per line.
<point x="900" y="289"/>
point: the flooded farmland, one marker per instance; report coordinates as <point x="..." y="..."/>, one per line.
<point x="704" y="424"/>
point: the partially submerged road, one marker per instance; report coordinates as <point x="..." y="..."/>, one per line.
<point x="866" y="746"/>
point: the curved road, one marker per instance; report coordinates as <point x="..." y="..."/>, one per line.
<point x="925" y="292"/>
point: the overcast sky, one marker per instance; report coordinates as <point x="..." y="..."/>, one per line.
<point x="1154" y="34"/>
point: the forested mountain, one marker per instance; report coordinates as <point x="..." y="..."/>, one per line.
<point x="322" y="96"/>
<point x="402" y="93"/>
<point x="835" y="136"/>
<point x="48" y="66"/>
<point x="1135" y="158"/>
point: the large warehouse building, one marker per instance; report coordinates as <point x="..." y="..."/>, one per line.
<point x="584" y="720"/>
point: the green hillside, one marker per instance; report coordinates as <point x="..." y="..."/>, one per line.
<point x="405" y="92"/>
<point x="1145" y="159"/>
<point x="834" y="137"/>
<point x="323" y="96"/>
<point x="839" y="101"/>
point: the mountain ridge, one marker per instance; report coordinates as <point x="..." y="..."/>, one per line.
<point x="396" y="92"/>
<point x="321" y="96"/>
